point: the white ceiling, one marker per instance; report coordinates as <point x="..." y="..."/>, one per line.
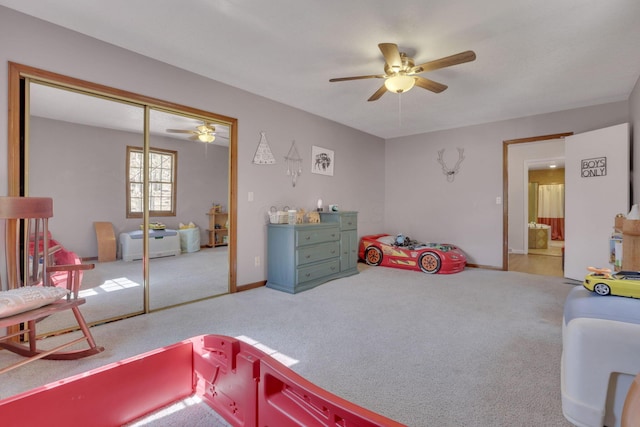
<point x="533" y="56"/>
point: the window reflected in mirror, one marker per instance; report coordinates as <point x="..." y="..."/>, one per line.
<point x="202" y="181"/>
<point x="79" y="152"/>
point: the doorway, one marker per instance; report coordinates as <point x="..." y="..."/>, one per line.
<point x="519" y="156"/>
<point x="544" y="219"/>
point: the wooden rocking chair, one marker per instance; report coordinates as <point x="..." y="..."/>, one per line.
<point x="28" y="251"/>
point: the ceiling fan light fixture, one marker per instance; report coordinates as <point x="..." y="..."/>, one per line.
<point x="206" y="128"/>
<point x="206" y="137"/>
<point x="399" y="83"/>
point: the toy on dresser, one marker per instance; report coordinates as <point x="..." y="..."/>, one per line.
<point x="313" y="217"/>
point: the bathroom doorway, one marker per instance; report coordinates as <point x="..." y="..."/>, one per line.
<point x="533" y="229"/>
<point x="544" y="216"/>
<point x="544" y="206"/>
<point x="588" y="228"/>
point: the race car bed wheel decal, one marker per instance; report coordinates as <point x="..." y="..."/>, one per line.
<point x="373" y="256"/>
<point x="429" y="262"/>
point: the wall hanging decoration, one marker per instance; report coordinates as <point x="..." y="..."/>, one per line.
<point x="450" y="173"/>
<point x="294" y="163"/>
<point x="322" y="161"/>
<point x="263" y="154"/>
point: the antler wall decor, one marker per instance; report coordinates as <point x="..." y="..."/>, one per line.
<point x="450" y="173"/>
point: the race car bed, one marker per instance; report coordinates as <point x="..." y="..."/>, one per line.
<point x="241" y="383"/>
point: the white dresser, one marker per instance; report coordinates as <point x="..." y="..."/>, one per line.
<point x="161" y="243"/>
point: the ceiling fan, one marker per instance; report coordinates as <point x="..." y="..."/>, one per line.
<point x="206" y="132"/>
<point x="401" y="73"/>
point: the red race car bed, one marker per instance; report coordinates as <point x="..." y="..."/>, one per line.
<point x="402" y="252"/>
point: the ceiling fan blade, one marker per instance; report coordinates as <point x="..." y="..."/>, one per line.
<point x="456" y="59"/>
<point x="391" y="55"/>
<point x="180" y="131"/>
<point x="343" y="79"/>
<point x="430" y="84"/>
<point x="378" y="93"/>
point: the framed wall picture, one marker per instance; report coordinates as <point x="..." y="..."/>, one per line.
<point x="322" y="161"/>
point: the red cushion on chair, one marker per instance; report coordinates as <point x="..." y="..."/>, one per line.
<point x="64" y="257"/>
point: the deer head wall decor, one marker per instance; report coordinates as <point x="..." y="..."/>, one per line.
<point x="450" y="173"/>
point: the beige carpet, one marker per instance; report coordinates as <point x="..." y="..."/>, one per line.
<point x="115" y="289"/>
<point x="478" y="348"/>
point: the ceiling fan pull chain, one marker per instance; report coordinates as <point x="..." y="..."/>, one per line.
<point x="399" y="110"/>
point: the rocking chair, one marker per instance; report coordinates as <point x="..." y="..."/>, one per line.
<point x="28" y="251"/>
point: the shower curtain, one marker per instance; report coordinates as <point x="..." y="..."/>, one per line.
<point x="551" y="209"/>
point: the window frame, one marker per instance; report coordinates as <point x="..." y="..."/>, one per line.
<point x="174" y="180"/>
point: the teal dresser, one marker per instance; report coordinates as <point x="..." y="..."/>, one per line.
<point x="303" y="256"/>
<point x="348" y="226"/>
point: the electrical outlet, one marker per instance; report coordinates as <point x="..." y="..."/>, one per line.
<point x="250" y="196"/>
<point x="257" y="261"/>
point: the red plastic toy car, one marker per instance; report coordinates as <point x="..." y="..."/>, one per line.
<point x="402" y="252"/>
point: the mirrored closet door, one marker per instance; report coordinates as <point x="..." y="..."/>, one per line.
<point x="100" y="157"/>
<point x="76" y="156"/>
<point x="189" y="174"/>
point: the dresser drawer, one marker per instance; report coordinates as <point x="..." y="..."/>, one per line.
<point x="313" y="235"/>
<point x="309" y="254"/>
<point x="318" y="271"/>
<point x="349" y="221"/>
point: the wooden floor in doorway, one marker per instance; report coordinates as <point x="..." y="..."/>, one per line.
<point x="544" y="263"/>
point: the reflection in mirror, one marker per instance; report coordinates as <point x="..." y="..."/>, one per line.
<point x="74" y="148"/>
<point x="76" y="155"/>
<point x="192" y="154"/>
<point x="78" y="149"/>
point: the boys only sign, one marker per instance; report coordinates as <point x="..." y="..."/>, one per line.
<point x="593" y="167"/>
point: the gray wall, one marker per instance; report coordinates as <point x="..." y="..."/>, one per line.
<point x="396" y="185"/>
<point x="359" y="157"/>
<point x="421" y="203"/>
<point x="634" y="119"/>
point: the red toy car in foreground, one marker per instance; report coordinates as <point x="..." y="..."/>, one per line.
<point x="402" y="252"/>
